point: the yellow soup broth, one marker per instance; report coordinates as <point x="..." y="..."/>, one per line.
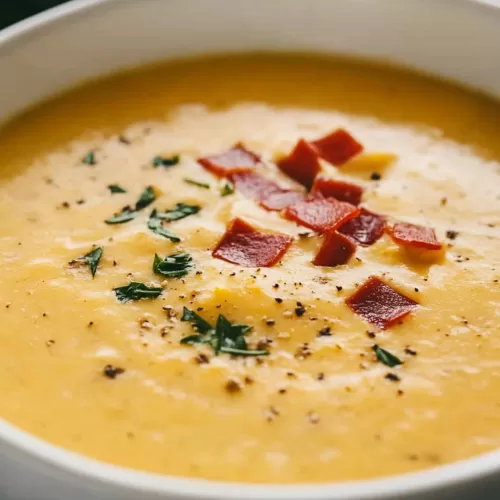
<point x="111" y="379"/>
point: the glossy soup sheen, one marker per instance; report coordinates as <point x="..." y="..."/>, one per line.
<point x="319" y="407"/>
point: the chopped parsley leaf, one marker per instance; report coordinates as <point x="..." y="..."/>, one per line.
<point x="92" y="259"/>
<point x="115" y="188"/>
<point x="180" y="211"/>
<point x="146" y="198"/>
<point x="127" y="214"/>
<point x="89" y="158"/>
<point x="136" y="291"/>
<point x="161" y="161"/>
<point x="196" y="321"/>
<point x="226" y="337"/>
<point x="124" y="216"/>
<point x="386" y="357"/>
<point x="227" y="189"/>
<point x="173" y="266"/>
<point x="203" y="185"/>
<point x="155" y="224"/>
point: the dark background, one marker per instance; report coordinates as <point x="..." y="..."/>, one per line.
<point x="12" y="11"/>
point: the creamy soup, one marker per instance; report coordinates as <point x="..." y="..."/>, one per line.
<point x="311" y="390"/>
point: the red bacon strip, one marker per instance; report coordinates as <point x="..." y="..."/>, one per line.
<point x="281" y="199"/>
<point x="234" y="160"/>
<point x="241" y="244"/>
<point x="336" y="250"/>
<point x="341" y="190"/>
<point x="302" y="164"/>
<point x="380" y="304"/>
<point x="338" y="147"/>
<point x="321" y="214"/>
<point x="365" y="229"/>
<point x="412" y="235"/>
<point x="253" y="185"/>
<point x="270" y="195"/>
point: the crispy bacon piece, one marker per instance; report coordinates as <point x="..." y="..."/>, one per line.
<point x="254" y="185"/>
<point x="270" y="195"/>
<point x="412" y="235"/>
<point x="380" y="304"/>
<point x="338" y="147"/>
<point x="302" y="164"/>
<point x="243" y="245"/>
<point x="234" y="160"/>
<point x="364" y="229"/>
<point x="321" y="214"/>
<point x="281" y="199"/>
<point x="336" y="250"/>
<point x="341" y="190"/>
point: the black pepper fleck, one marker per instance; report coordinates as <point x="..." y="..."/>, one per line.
<point x="300" y="309"/>
<point x="112" y="372"/>
<point x="392" y="377"/>
<point x="325" y="332"/>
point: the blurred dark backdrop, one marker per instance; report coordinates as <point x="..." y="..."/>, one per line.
<point x="12" y="11"/>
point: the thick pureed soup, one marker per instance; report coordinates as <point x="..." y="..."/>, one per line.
<point x="321" y="309"/>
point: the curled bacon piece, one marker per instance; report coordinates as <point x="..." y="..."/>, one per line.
<point x="321" y="214"/>
<point x="412" y="235"/>
<point x="270" y="195"/>
<point x="364" y="229"/>
<point x="336" y="250"/>
<point x="234" y="160"/>
<point x="338" y="147"/>
<point x="302" y="164"/>
<point x="380" y="304"/>
<point x="241" y="244"/>
<point x="341" y="190"/>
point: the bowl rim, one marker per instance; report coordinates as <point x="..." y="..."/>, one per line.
<point x="430" y="480"/>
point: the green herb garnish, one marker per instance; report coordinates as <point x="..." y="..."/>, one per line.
<point x="173" y="266"/>
<point x="146" y="198"/>
<point x="155" y="224"/>
<point x="161" y="161"/>
<point x="90" y="259"/>
<point x="180" y="211"/>
<point x="196" y="321"/>
<point x="227" y="189"/>
<point x="89" y="158"/>
<point x="124" y="216"/>
<point x="226" y="337"/>
<point x="136" y="291"/>
<point x="127" y="214"/>
<point x="386" y="357"/>
<point x="203" y="185"/>
<point x="115" y="188"/>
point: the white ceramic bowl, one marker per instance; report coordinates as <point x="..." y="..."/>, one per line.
<point x="456" y="39"/>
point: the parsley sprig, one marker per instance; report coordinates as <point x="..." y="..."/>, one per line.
<point x="226" y="337"/>
<point x="173" y="266"/>
<point x="162" y="161"/>
<point x="193" y="182"/>
<point x="89" y="158"/>
<point x="386" y="357"/>
<point x="128" y="213"/>
<point x="136" y="291"/>
<point x="155" y="224"/>
<point x="116" y="188"/>
<point x="180" y="211"/>
<point x="90" y="259"/>
<point x="227" y="189"/>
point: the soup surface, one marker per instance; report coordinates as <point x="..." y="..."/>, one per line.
<point x="331" y="397"/>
